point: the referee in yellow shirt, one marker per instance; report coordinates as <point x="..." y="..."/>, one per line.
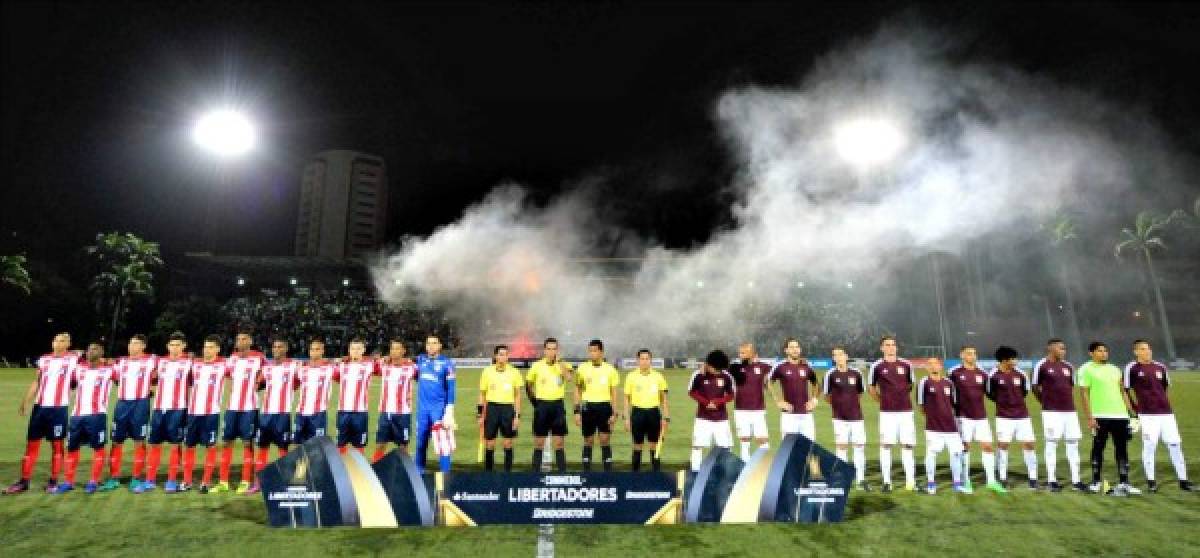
<point x="546" y="385"/>
<point x="500" y="389"/>
<point x="645" y="394"/>
<point x="594" y="410"/>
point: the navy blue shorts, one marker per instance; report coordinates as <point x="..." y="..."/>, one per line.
<point x="167" y="426"/>
<point x="394" y="427"/>
<point x="130" y="420"/>
<point x="240" y="425"/>
<point x="309" y="427"/>
<point x="352" y="428"/>
<point x="47" y="423"/>
<point x="202" y="430"/>
<point x="275" y="428"/>
<point x="87" y="429"/>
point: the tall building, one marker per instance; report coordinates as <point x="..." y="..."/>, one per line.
<point x="343" y="205"/>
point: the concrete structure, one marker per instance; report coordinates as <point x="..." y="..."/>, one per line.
<point x="343" y="205"/>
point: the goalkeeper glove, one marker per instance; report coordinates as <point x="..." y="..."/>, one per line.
<point x="448" y="418"/>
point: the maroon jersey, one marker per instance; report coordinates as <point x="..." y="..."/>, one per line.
<point x="711" y="388"/>
<point x="1149" y="383"/>
<point x="894" y="380"/>
<point x="937" y="398"/>
<point x="795" y="379"/>
<point x="1056" y="379"/>
<point x="969" y="387"/>
<point x="1008" y="390"/>
<point x="750" y="379"/>
<point x="844" y="389"/>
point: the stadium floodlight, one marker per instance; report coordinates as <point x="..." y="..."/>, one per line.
<point x="292" y="281"/>
<point x="866" y="142"/>
<point x="345" y="282"/>
<point x="241" y="282"/>
<point x="224" y="132"/>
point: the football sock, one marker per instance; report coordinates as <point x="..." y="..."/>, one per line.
<point x="860" y="462"/>
<point x="910" y="465"/>
<point x="989" y="466"/>
<point x="32" y="448"/>
<point x="1051" y="460"/>
<point x="1031" y="463"/>
<point x="1073" y="459"/>
<point x="885" y="464"/>
<point x="1176" y="452"/>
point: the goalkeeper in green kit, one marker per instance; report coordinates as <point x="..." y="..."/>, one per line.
<point x="1109" y="413"/>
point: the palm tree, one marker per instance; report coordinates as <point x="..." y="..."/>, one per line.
<point x="1062" y="231"/>
<point x="126" y="261"/>
<point x="1144" y="236"/>
<point x="13" y="272"/>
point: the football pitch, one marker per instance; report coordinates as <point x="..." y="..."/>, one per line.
<point x="1022" y="523"/>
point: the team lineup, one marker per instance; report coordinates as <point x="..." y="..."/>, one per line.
<point x="181" y="402"/>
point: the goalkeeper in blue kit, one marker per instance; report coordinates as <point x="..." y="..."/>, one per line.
<point x="435" y="404"/>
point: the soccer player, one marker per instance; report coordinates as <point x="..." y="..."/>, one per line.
<point x="1054" y="387"/>
<point x="594" y="410"/>
<point x="204" y="412"/>
<point x="1146" y="382"/>
<point x="92" y="380"/>
<point x="500" y="389"/>
<point x="1108" y="409"/>
<point x="749" y="410"/>
<point x="132" y="415"/>
<point x="800" y="395"/>
<point x="313" y="380"/>
<point x="936" y="398"/>
<point x="890" y="380"/>
<point x="970" y="386"/>
<point x="1008" y="386"/>
<point x="275" y="421"/>
<point x="241" y="418"/>
<point x="395" y="400"/>
<point x="435" y="403"/>
<point x="646" y="410"/>
<point x="354" y="382"/>
<point x="172" y="376"/>
<point x="711" y="387"/>
<point x="48" y="419"/>
<point x="545" y="383"/>
<point x="843" y="388"/>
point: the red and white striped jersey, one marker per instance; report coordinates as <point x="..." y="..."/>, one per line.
<point x="133" y="376"/>
<point x="354" y="380"/>
<point x="92" y="386"/>
<point x="208" y="384"/>
<point x="172" y="377"/>
<point x="243" y="378"/>
<point x="54" y="379"/>
<point x="314" y="379"/>
<point x="279" y="379"/>
<point x="396" y="393"/>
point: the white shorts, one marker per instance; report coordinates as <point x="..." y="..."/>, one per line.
<point x="798" y="423"/>
<point x="1060" y="425"/>
<point x="711" y="432"/>
<point x="975" y="430"/>
<point x="750" y="424"/>
<point x="1007" y="429"/>
<point x="849" y="432"/>
<point x="897" y="427"/>
<point x="936" y="441"/>
<point x="1159" y="427"/>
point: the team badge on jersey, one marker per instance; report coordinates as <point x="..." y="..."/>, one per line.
<point x="899" y="369"/>
<point x="979" y="379"/>
<point x="851" y="380"/>
<point x="1158" y="374"/>
<point x="946" y="390"/>
<point x="720" y="382"/>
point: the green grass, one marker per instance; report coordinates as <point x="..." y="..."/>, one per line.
<point x="1020" y="524"/>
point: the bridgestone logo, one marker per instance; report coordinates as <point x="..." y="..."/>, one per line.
<point x="647" y="495"/>
<point x="562" y="495"/>
<point x="539" y="513"/>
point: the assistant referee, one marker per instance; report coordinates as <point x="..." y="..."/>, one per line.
<point x="594" y="410"/>
<point x="646" y="408"/>
<point x="499" y="389"/>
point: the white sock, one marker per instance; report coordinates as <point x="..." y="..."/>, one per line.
<point x="1073" y="459"/>
<point x="1051" y="459"/>
<point x="1002" y="464"/>
<point x="1176" y="451"/>
<point x="989" y="466"/>
<point x="930" y="463"/>
<point x="860" y="463"/>
<point x="910" y="466"/>
<point x="1148" y="451"/>
<point x="956" y="468"/>
<point x="745" y="450"/>
<point x="840" y="453"/>
<point x="697" y="457"/>
<point x="1031" y="463"/>
<point x="965" y="457"/>
<point x="885" y="464"/>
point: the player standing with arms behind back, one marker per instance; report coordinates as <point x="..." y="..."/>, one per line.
<point x="711" y="387"/>
<point x="48" y="420"/>
<point x="1054" y="386"/>
<point x="936" y="398"/>
<point x="843" y="388"/>
<point x="749" y="410"/>
<point x="891" y="381"/>
<point x="970" y="385"/>
<point x="1146" y="382"/>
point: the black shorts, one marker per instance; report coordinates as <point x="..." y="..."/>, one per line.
<point x="47" y="423"/>
<point x="131" y="420"/>
<point x="645" y="424"/>
<point x="87" y="430"/>
<point x="202" y="430"/>
<point x="167" y="426"/>
<point x="499" y="419"/>
<point x="352" y="428"/>
<point x="595" y="418"/>
<point x="240" y="425"/>
<point x="273" y="429"/>
<point x="394" y="427"/>
<point x="549" y="417"/>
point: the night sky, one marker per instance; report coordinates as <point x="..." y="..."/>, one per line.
<point x="98" y="100"/>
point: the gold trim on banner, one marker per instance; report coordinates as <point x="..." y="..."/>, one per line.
<point x="668" y="514"/>
<point x="452" y="516"/>
<point x="747" y="493"/>
<point x="374" y="508"/>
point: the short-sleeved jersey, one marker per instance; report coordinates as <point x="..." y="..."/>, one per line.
<point x="279" y="381"/>
<point x="894" y="380"/>
<point x="208" y="384"/>
<point x="397" y="379"/>
<point x="938" y="398"/>
<point x="1149" y="382"/>
<point x="436" y="381"/>
<point x="795" y="378"/>
<point x="597" y="381"/>
<point x="243" y="380"/>
<point x="498" y="386"/>
<point x="750" y="379"/>
<point x="54" y="379"/>
<point x="1008" y="390"/>
<point x="1103" y="384"/>
<point x="547" y="380"/>
<point x="134" y="375"/>
<point x="708" y="388"/>
<point x="93" y="383"/>
<point x="314" y="379"/>
<point x="1056" y="380"/>
<point x="172" y="376"/>
<point x="844" y="387"/>
<point x="354" y="383"/>
<point x="643" y="388"/>
<point x="970" y="385"/>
